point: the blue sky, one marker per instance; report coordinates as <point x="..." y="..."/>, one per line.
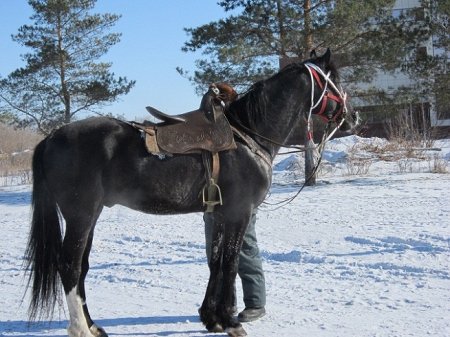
<point x="149" y="51"/>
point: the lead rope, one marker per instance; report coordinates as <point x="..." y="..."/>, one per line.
<point x="287" y="201"/>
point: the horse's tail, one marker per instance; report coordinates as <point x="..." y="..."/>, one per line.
<point x="44" y="243"/>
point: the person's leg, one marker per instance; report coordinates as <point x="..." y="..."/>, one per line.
<point x="208" y="219"/>
<point x="252" y="275"/>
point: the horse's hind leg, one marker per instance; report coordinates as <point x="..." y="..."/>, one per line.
<point x="73" y="269"/>
<point x="94" y="328"/>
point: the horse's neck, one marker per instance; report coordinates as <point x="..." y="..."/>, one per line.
<point x="281" y="117"/>
<point x="270" y="111"/>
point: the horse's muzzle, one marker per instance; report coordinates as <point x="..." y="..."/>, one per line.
<point x="351" y="121"/>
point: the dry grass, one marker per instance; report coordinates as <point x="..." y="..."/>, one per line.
<point x="16" y="150"/>
<point x="356" y="163"/>
<point x="410" y="155"/>
<point x="438" y="164"/>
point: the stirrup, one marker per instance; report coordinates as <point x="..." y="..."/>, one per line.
<point x="210" y="200"/>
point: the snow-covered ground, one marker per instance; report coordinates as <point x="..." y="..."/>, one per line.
<point x="366" y="252"/>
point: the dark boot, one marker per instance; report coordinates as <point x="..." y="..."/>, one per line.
<point x="251" y="314"/>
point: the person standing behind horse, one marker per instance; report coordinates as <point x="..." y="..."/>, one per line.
<point x="250" y="270"/>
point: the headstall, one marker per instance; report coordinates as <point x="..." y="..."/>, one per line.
<point x="333" y="93"/>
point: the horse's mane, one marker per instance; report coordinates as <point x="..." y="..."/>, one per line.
<point x="331" y="66"/>
<point x="249" y="108"/>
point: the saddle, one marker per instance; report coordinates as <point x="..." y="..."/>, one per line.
<point x="191" y="132"/>
<point x="205" y="129"/>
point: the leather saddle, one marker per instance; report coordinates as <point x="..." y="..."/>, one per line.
<point x="206" y="129"/>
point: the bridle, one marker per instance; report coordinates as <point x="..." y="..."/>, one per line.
<point x="330" y="92"/>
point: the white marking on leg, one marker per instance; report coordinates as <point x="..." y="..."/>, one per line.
<point x="77" y="326"/>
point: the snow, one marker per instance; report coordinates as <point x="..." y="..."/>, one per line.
<point x="365" y="252"/>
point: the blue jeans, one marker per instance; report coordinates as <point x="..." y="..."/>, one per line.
<point x="250" y="264"/>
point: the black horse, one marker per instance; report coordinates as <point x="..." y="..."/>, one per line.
<point x="97" y="162"/>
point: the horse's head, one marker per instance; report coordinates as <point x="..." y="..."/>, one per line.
<point x="272" y="108"/>
<point x="328" y="100"/>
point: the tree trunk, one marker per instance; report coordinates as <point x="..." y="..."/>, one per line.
<point x="308" y="25"/>
<point x="310" y="147"/>
<point x="62" y="74"/>
<point x="282" y="31"/>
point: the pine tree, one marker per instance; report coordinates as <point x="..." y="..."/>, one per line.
<point x="259" y="36"/>
<point x="440" y="26"/>
<point x="248" y="44"/>
<point x="61" y="77"/>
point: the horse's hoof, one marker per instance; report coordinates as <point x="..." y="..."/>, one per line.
<point x="98" y="331"/>
<point x="216" y="328"/>
<point x="236" y="332"/>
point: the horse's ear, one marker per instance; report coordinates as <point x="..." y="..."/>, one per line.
<point x="313" y="54"/>
<point x="327" y="56"/>
<point x="324" y="60"/>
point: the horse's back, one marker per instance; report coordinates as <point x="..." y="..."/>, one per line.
<point x="77" y="154"/>
<point x="80" y="145"/>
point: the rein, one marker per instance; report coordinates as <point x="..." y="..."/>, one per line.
<point x="287" y="201"/>
<point x="256" y="134"/>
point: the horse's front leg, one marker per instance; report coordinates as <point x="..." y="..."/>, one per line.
<point x="220" y="298"/>
<point x="230" y="262"/>
<point x="209" y="307"/>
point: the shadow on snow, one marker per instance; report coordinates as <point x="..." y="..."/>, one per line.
<point x="35" y="329"/>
